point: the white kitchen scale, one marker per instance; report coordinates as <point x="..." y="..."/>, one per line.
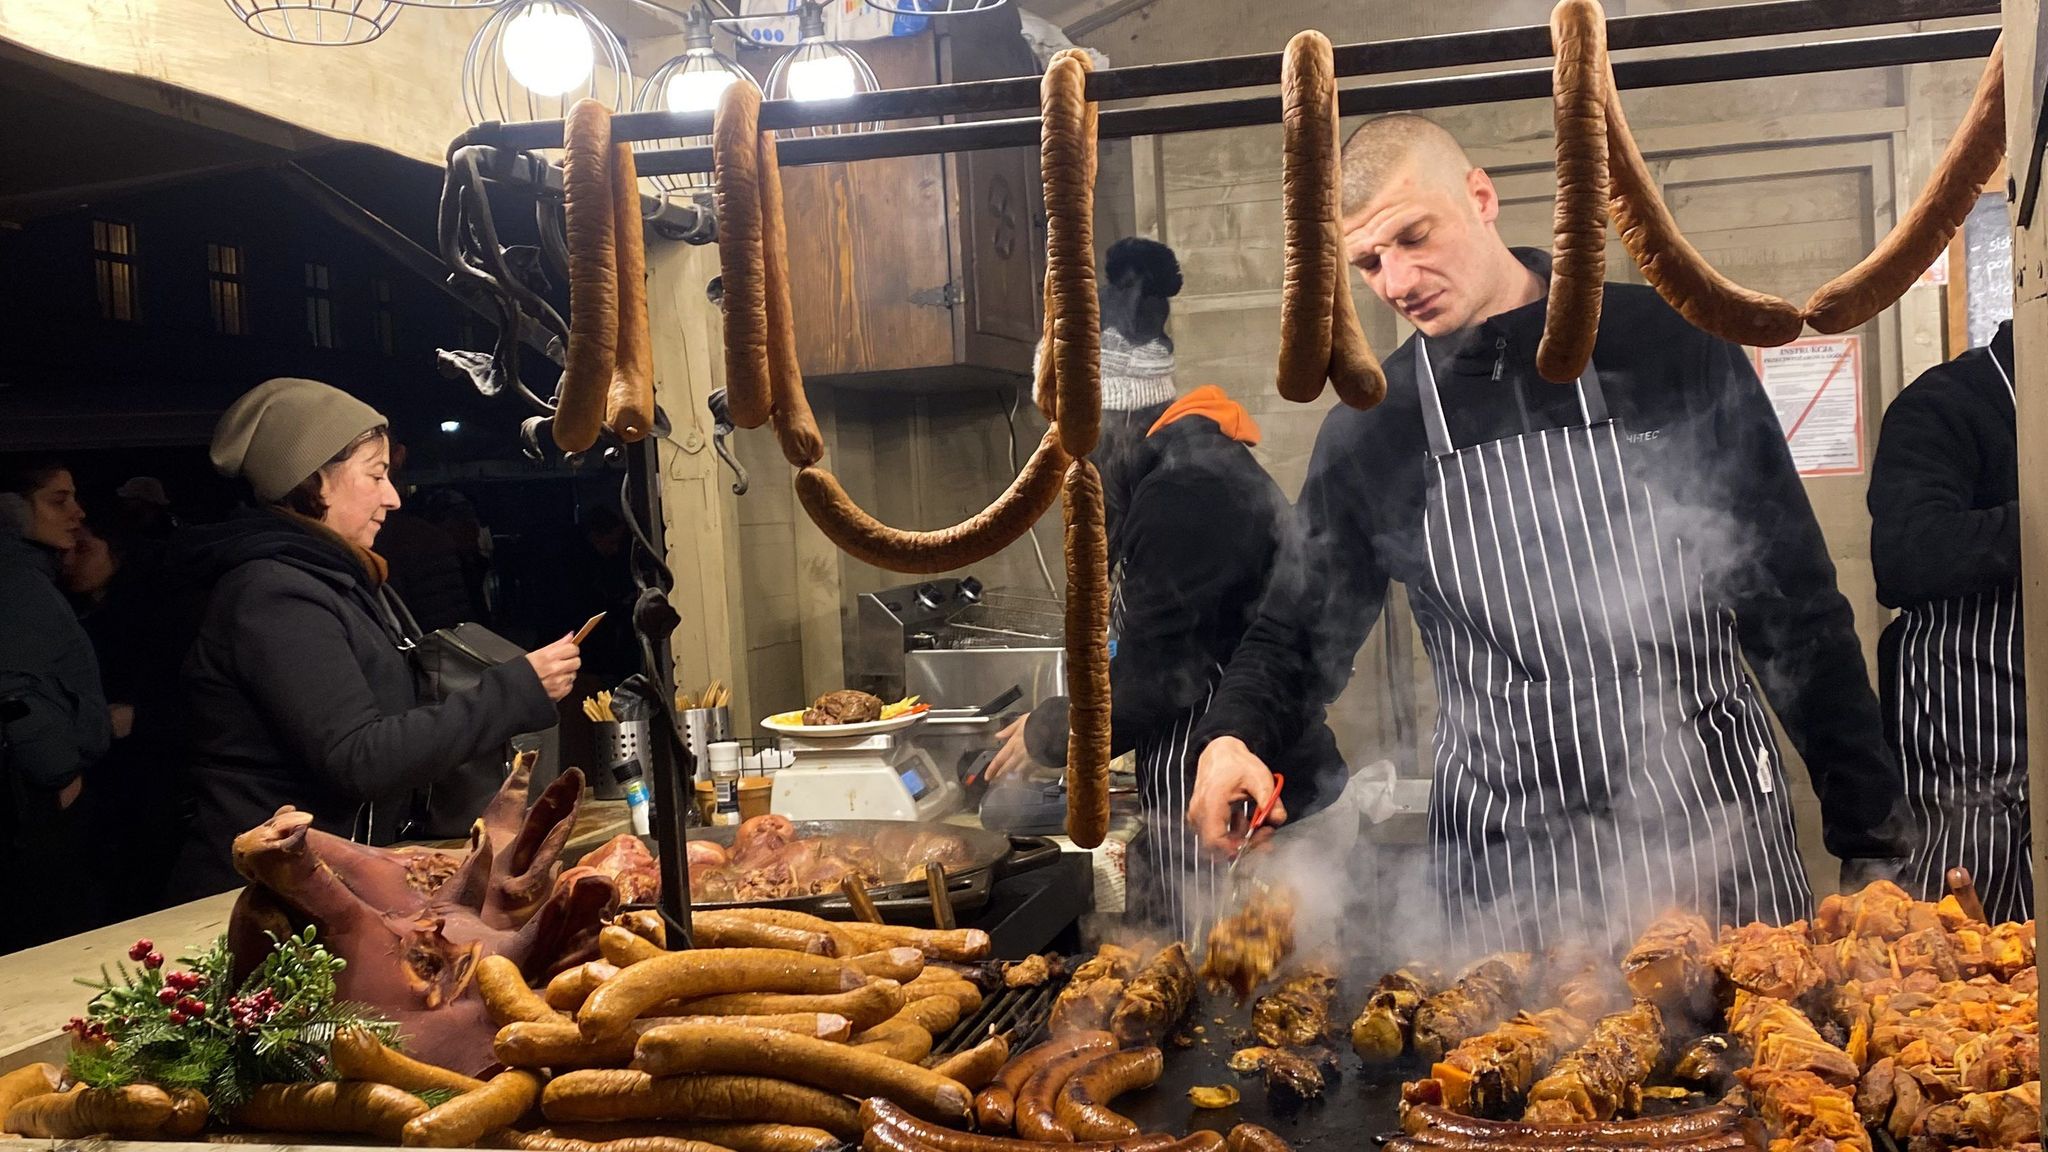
<point x="859" y="772"/>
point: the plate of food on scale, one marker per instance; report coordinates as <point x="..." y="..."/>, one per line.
<point x="848" y="712"/>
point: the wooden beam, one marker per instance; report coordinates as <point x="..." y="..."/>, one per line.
<point x="696" y="502"/>
<point x="2030" y="359"/>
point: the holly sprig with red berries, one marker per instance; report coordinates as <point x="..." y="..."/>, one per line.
<point x="196" y="1028"/>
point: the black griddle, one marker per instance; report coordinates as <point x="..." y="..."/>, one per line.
<point x="1361" y="1104"/>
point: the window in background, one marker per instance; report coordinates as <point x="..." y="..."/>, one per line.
<point x="387" y="323"/>
<point x="224" y="271"/>
<point x="319" y="306"/>
<point x="113" y="266"/>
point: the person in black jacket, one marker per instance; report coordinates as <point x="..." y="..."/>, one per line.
<point x="1195" y="528"/>
<point x="298" y="689"/>
<point x="55" y="725"/>
<point x="1590" y="564"/>
<point x="1945" y="547"/>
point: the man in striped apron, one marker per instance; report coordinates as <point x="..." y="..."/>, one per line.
<point x="1194" y="532"/>
<point x="1945" y="547"/>
<point x="1591" y="565"/>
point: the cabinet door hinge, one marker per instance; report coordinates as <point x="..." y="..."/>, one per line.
<point x="944" y="296"/>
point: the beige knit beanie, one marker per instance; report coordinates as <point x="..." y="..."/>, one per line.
<point x="284" y="430"/>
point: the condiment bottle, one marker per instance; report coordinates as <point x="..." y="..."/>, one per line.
<point x="724" y="756"/>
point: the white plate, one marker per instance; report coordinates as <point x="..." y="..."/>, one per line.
<point x="792" y="724"/>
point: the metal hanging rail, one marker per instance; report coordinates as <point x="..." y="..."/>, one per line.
<point x="1407" y="95"/>
<point x="1453" y="50"/>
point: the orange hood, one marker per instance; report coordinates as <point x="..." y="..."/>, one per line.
<point x="1214" y="403"/>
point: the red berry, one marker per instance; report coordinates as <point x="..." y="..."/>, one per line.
<point x="139" y="949"/>
<point x="167" y="996"/>
<point x="192" y="1006"/>
<point x="153" y="960"/>
<point x="178" y="1017"/>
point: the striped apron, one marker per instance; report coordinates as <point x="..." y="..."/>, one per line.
<point x="1171" y="883"/>
<point x="1600" y="754"/>
<point x="1960" y="727"/>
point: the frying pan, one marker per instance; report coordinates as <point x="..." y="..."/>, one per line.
<point x="991" y="856"/>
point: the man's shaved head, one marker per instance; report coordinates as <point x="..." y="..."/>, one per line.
<point x="1387" y="146"/>
<point x="1418" y="224"/>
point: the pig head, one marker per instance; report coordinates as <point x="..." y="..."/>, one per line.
<point x="413" y="923"/>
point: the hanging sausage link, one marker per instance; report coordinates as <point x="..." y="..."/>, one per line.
<point x="1919" y="238"/>
<point x="1578" y="264"/>
<point x="1708" y="300"/>
<point x="629" y="405"/>
<point x="1320" y="336"/>
<point x="1719" y="306"/>
<point x="593" y="277"/>
<point x="736" y="160"/>
<point x="1067" y="161"/>
<point x="761" y="363"/>
<point x="608" y="374"/>
<point x="1087" y="638"/>
<point x="790" y="408"/>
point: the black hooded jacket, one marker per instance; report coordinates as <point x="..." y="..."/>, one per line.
<point x="1196" y="529"/>
<point x="298" y="694"/>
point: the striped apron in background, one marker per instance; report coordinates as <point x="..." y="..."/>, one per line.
<point x="1170" y="882"/>
<point x="1600" y="754"/>
<point x="1960" y="728"/>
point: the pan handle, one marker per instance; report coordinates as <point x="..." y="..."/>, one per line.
<point x="1027" y="853"/>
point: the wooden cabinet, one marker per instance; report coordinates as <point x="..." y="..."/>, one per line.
<point x="920" y="271"/>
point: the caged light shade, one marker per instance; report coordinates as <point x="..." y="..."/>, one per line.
<point x="534" y="59"/>
<point x="934" y="7"/>
<point x="326" y="23"/>
<point x="451" y="5"/>
<point x="691" y="82"/>
<point x="818" y="69"/>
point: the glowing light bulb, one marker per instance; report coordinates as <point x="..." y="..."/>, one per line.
<point x="828" y="77"/>
<point x="548" y="50"/>
<point x="696" y="91"/>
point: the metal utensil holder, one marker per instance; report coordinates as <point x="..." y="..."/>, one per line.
<point x="703" y="727"/>
<point x="618" y="742"/>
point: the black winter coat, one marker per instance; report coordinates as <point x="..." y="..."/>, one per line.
<point x="1719" y="452"/>
<point x="1196" y="527"/>
<point x="299" y="695"/>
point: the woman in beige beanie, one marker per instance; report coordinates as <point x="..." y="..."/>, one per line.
<point x="299" y="685"/>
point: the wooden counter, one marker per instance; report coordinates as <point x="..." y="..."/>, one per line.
<point x="39" y="987"/>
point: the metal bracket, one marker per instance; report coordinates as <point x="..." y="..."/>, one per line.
<point x="946" y="295"/>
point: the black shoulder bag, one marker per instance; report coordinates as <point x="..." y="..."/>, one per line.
<point x="445" y="662"/>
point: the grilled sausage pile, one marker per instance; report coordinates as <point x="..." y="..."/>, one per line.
<point x="608" y="378"/>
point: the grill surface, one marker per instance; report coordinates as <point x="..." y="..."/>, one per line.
<point x="1355" y="1108"/>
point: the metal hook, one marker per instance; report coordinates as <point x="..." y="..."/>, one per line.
<point x="722" y="427"/>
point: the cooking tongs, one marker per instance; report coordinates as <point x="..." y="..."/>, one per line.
<point x="1257" y="819"/>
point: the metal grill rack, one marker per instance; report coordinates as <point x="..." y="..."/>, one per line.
<point x="1022" y="1012"/>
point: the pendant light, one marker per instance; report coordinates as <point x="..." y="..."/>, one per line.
<point x="326" y="23"/>
<point x="534" y="59"/>
<point x="818" y="69"/>
<point x="691" y="82"/>
<point x="451" y="5"/>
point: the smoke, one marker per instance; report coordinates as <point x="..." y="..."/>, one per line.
<point x="1600" y="753"/>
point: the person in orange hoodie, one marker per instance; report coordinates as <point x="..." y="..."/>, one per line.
<point x="1196" y="527"/>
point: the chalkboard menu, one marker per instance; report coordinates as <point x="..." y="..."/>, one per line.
<point x="1987" y="260"/>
